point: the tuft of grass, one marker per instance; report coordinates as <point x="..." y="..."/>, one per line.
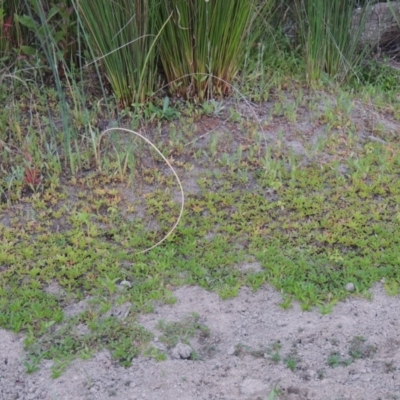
<point x="329" y="39"/>
<point x="274" y="351"/>
<point x="291" y="363"/>
<point x="274" y="393"/>
<point x="155" y="354"/>
<point x="207" y="50"/>
<point x="360" y="349"/>
<point x="334" y="360"/>
<point x="182" y="331"/>
<point x="123" y="38"/>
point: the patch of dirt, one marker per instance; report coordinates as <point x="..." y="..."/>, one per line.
<point x="254" y="349"/>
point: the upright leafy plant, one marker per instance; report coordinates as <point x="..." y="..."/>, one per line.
<point x="204" y="42"/>
<point x="51" y="25"/>
<point x="122" y="35"/>
<point x="328" y="39"/>
<point x="10" y="31"/>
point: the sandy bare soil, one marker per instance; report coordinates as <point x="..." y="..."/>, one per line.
<point x="351" y="353"/>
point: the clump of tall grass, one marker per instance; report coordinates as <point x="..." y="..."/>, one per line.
<point x="328" y="40"/>
<point x="204" y="42"/>
<point x="122" y="36"/>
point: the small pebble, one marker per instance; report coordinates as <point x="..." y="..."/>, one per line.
<point x="350" y="287"/>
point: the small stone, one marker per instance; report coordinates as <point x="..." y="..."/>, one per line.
<point x="231" y="351"/>
<point x="181" y="351"/>
<point x="350" y="287"/>
<point x="126" y="284"/>
<point x="312" y="374"/>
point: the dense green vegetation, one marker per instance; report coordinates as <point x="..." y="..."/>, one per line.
<point x="262" y="128"/>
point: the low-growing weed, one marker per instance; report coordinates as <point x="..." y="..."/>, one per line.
<point x="175" y="332"/>
<point x="155" y="354"/>
<point x="273" y="351"/>
<point x="360" y="349"/>
<point x="334" y="360"/>
<point x="291" y="363"/>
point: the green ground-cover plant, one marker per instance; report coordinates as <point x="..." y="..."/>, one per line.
<point x="311" y="237"/>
